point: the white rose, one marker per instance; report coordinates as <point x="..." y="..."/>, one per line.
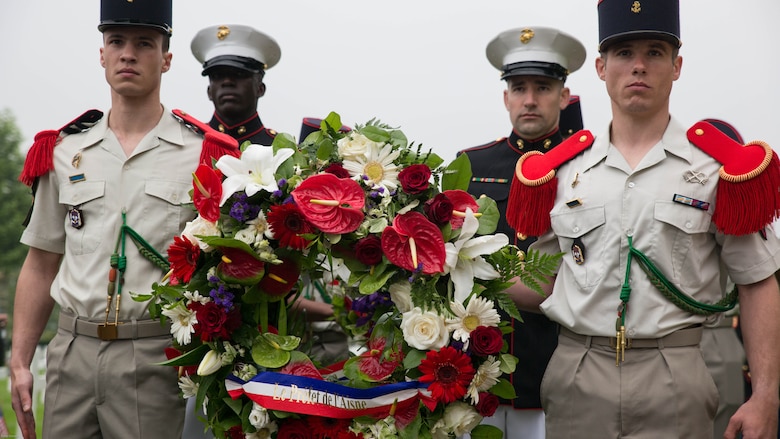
<point x="355" y="145"/>
<point x="202" y="227"/>
<point x="246" y="235"/>
<point x="258" y="417"/>
<point x="401" y="295"/>
<point x="424" y="330"/>
<point x="460" y="418"/>
<point x="210" y="363"/>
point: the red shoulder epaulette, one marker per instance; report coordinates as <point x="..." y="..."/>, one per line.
<point x="40" y="157"/>
<point x="748" y="197"/>
<point x="534" y="187"/>
<point x="215" y="143"/>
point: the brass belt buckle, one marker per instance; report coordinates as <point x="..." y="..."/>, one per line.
<point x="107" y="331"/>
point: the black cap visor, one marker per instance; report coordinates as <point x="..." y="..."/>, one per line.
<point x="535" y="68"/>
<point x="237" y="62"/>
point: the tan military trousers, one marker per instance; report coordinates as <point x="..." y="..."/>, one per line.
<point x="110" y="389"/>
<point x="655" y="393"/>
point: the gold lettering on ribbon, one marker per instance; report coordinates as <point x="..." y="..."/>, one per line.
<point x="312" y="396"/>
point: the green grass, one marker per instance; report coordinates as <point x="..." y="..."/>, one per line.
<point x="8" y="413"/>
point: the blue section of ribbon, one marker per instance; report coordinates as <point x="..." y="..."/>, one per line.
<point x="284" y="379"/>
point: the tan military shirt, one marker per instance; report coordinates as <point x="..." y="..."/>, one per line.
<point x="601" y="200"/>
<point x="93" y="174"/>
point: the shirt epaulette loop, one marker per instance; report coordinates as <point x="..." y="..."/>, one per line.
<point x="748" y="196"/>
<point x="40" y="157"/>
<point x="215" y="144"/>
<point x="534" y="187"/>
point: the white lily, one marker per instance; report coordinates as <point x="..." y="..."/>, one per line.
<point x="253" y="172"/>
<point x="210" y="363"/>
<point x="464" y="261"/>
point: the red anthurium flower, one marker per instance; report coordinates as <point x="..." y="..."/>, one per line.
<point x="461" y="200"/>
<point x="288" y="224"/>
<point x="375" y="364"/>
<point x="208" y="192"/>
<point x="240" y="267"/>
<point x="413" y="241"/>
<point x="279" y="279"/>
<point x="183" y="256"/>
<point x="449" y="371"/>
<point x="332" y="204"/>
<point x="302" y="368"/>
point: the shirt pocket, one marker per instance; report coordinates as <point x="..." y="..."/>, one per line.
<point x="584" y="227"/>
<point x="689" y="228"/>
<point x="167" y="209"/>
<point x="88" y="197"/>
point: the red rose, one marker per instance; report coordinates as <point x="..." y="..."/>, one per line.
<point x="214" y="322"/>
<point x="415" y="178"/>
<point x="438" y="209"/>
<point x="369" y="250"/>
<point x="486" y="340"/>
<point x="337" y="170"/>
<point x="487" y="405"/>
<point x="235" y="432"/>
<point x="293" y="429"/>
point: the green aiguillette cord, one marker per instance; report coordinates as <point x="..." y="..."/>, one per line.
<point x="677" y="297"/>
<point x="119" y="258"/>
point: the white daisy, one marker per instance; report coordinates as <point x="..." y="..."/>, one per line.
<point x="183" y="322"/>
<point x="479" y="312"/>
<point x="194" y="296"/>
<point x="486" y="377"/>
<point x="188" y="387"/>
<point x="376" y="169"/>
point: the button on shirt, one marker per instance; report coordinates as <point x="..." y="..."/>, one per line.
<point x="151" y="186"/>
<point x="681" y="240"/>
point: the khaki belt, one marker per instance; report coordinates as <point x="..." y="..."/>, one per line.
<point x="682" y="337"/>
<point x="125" y="330"/>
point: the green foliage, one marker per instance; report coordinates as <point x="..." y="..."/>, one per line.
<point x="486" y="432"/>
<point x="16" y="204"/>
<point x="457" y="175"/>
<point x="16" y="196"/>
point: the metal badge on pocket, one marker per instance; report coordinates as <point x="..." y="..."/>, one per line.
<point x="76" y="217"/>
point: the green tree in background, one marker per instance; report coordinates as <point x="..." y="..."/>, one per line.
<point x="14" y="205"/>
<point x="13" y="209"/>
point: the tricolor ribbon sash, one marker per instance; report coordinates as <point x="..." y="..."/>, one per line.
<point x="309" y="396"/>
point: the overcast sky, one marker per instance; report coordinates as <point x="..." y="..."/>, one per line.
<point x="417" y="64"/>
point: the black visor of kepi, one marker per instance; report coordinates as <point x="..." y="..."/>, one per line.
<point x="234" y="61"/>
<point x="622" y="20"/>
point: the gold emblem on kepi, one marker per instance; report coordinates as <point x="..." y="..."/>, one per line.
<point x="223" y="32"/>
<point x="636" y="7"/>
<point x="526" y="36"/>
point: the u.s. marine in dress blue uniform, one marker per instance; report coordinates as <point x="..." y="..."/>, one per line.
<point x="535" y="62"/>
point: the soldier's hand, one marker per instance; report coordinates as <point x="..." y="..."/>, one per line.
<point x="21" y="400"/>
